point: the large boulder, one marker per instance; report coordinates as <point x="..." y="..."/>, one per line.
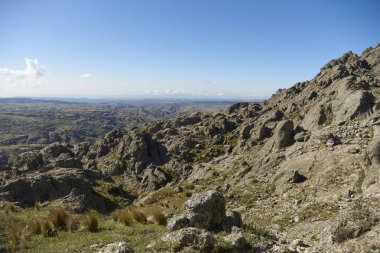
<point x="206" y="210"/>
<point x="283" y="134"/>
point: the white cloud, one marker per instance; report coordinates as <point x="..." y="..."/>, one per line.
<point x="220" y="94"/>
<point x="86" y="75"/>
<point x="32" y="75"/>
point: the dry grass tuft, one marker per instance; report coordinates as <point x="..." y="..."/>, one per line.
<point x="90" y="222"/>
<point x="18" y="237"/>
<point x="42" y="227"/>
<point x="37" y="206"/>
<point x="138" y="215"/>
<point x="59" y="218"/>
<point x="159" y="217"/>
<point x="123" y="216"/>
<point x="72" y="224"/>
<point x="9" y="207"/>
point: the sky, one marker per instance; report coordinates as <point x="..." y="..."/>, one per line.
<point x="172" y="48"/>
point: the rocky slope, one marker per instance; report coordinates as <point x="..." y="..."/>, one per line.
<point x="303" y="165"/>
<point x="30" y="124"/>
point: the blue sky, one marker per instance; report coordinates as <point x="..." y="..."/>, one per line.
<point x="193" y="48"/>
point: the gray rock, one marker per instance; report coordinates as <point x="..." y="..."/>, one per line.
<point x="296" y="177"/>
<point x="190" y="237"/>
<point x="178" y="223"/>
<point x="246" y="131"/>
<point x="71" y="187"/>
<point x="233" y="219"/>
<point x="301" y="137"/>
<point x="116" y="247"/>
<point x="237" y="242"/>
<point x="283" y="134"/>
<point x="260" y="133"/>
<point x="374" y="150"/>
<point x="206" y="210"/>
<point x="321" y="136"/>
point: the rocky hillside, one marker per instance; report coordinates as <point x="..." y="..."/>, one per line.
<point x="302" y="168"/>
<point x="30" y="124"/>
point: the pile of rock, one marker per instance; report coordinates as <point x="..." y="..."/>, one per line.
<point x="204" y="214"/>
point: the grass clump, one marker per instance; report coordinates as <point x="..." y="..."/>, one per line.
<point x="138" y="215"/>
<point x="159" y="217"/>
<point x="18" y="237"/>
<point x="59" y="218"/>
<point x="90" y="222"/>
<point x="37" y="206"/>
<point x="123" y="216"/>
<point x="42" y="227"/>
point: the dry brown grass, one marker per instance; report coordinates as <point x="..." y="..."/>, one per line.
<point x="37" y="206"/>
<point x="9" y="207"/>
<point x="123" y="216"/>
<point x="59" y="218"/>
<point x="90" y="222"/>
<point x="138" y="215"/>
<point x="159" y="217"/>
<point x="42" y="227"/>
<point x="18" y="237"/>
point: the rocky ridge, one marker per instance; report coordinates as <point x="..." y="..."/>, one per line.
<point x="303" y="164"/>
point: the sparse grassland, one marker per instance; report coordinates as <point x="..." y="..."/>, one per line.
<point x="56" y="230"/>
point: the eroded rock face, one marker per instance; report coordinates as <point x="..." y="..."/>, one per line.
<point x="72" y="187"/>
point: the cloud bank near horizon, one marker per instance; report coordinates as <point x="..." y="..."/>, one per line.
<point x="32" y="75"/>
